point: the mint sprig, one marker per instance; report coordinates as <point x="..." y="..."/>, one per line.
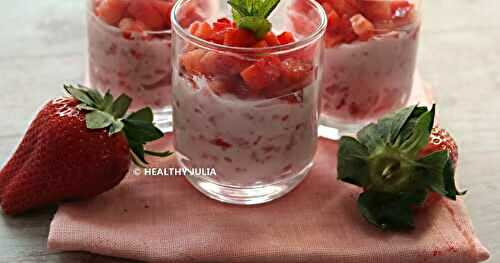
<point x="104" y="112"/>
<point x="252" y="15"/>
<point x="385" y="161"/>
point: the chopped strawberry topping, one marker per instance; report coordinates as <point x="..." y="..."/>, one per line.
<point x="153" y="14"/>
<point x="263" y="74"/>
<point x="352" y="20"/>
<point x="286" y="38"/>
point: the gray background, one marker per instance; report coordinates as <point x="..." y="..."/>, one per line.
<point x="42" y="44"/>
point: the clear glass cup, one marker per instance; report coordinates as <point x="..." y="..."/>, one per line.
<point x="261" y="144"/>
<point x="125" y="56"/>
<point x="369" y="68"/>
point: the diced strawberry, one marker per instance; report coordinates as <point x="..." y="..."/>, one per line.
<point x="239" y="38"/>
<point x="261" y="44"/>
<point x="271" y="39"/>
<point x="144" y="11"/>
<point x="333" y="40"/>
<point x="362" y="27"/>
<point x="333" y="21"/>
<point x="131" y="25"/>
<point x="346" y="7"/>
<point x="204" y="31"/>
<point x="376" y="11"/>
<point x="328" y="7"/>
<point x="296" y="70"/>
<point x="194" y="26"/>
<point x="218" y="37"/>
<point x="164" y="8"/>
<point x="216" y="63"/>
<point x="346" y="30"/>
<point x="191" y="61"/>
<point x="111" y="11"/>
<point x="286" y="38"/>
<point x="222" y="24"/>
<point x="263" y="74"/>
<point x="401" y="9"/>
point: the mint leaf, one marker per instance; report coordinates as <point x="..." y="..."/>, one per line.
<point x="252" y="15"/>
<point x="352" y="164"/>
<point x="267" y="7"/>
<point x="258" y="25"/>
<point x="98" y="120"/>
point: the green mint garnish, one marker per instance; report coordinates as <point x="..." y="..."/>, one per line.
<point x="104" y="112"/>
<point x="385" y="161"/>
<point x="252" y="15"/>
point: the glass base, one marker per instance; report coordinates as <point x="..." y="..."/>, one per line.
<point x="333" y="130"/>
<point x="163" y="119"/>
<point x="246" y="195"/>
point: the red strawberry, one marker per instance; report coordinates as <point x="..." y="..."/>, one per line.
<point x="403" y="165"/>
<point x="77" y="147"/>
<point x="440" y="140"/>
<point x="111" y="11"/>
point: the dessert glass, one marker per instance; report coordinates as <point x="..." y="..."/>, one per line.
<point x="135" y="63"/>
<point x="365" y="79"/>
<point x="261" y="146"/>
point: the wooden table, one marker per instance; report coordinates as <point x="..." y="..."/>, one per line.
<point x="42" y="45"/>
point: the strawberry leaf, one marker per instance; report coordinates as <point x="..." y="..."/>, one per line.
<point x="432" y="171"/>
<point x="352" y="167"/>
<point x="98" y="120"/>
<point x="120" y="106"/>
<point x="390" y="211"/>
<point x="420" y="133"/>
<point x="106" y="113"/>
<point x="80" y="95"/>
<point x="384" y="160"/>
<point x="145" y="115"/>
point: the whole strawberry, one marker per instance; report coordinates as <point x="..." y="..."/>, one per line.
<point x="77" y="147"/>
<point x="402" y="163"/>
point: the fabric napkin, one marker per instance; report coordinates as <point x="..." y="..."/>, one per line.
<point x="164" y="219"/>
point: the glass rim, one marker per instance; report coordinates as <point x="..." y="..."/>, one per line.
<point x="115" y="29"/>
<point x="316" y="35"/>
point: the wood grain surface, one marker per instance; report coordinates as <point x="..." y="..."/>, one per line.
<point x="42" y="45"/>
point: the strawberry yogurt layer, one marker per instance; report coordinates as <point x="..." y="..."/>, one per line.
<point x="253" y="119"/>
<point x="370" y="58"/>
<point x="129" y="49"/>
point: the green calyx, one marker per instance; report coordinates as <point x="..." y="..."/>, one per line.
<point x="105" y="112"/>
<point x="385" y="161"/>
<point x="252" y="15"/>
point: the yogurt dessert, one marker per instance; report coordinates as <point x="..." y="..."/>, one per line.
<point x="246" y="104"/>
<point x="370" y="57"/>
<point x="129" y="45"/>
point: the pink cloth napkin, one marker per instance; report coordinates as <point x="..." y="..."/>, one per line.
<point x="164" y="219"/>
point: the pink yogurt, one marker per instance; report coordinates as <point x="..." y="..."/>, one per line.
<point x="364" y="80"/>
<point x="136" y="64"/>
<point x="249" y="142"/>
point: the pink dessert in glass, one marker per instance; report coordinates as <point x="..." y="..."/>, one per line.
<point x="370" y="57"/>
<point x="247" y="106"/>
<point x="129" y="44"/>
